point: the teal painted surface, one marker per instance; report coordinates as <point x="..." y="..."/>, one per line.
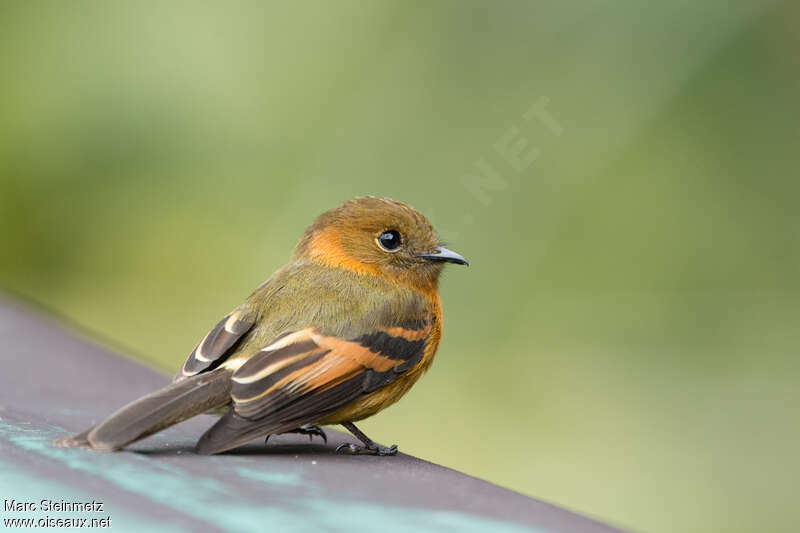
<point x="298" y="503"/>
<point x="275" y="478"/>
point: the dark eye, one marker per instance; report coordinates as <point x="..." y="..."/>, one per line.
<point x="390" y="240"/>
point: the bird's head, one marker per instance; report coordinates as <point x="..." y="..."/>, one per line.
<point x="378" y="236"/>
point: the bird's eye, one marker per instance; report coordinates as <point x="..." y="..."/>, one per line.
<point x="390" y="240"/>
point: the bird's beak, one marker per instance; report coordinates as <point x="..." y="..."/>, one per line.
<point x="444" y="255"/>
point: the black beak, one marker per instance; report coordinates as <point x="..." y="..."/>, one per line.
<point x="444" y="255"/>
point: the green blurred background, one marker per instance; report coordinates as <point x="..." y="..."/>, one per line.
<point x="626" y="340"/>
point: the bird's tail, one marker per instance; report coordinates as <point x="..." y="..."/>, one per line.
<point x="156" y="411"/>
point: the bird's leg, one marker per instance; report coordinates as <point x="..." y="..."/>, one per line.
<point x="309" y="429"/>
<point x="369" y="448"/>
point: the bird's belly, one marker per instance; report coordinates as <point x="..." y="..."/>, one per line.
<point x="370" y="404"/>
<point x="382" y="398"/>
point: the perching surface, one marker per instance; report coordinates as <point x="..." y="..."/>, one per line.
<point x="54" y="383"/>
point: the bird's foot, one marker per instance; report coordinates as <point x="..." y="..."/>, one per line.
<point x="375" y="449"/>
<point x="309" y="430"/>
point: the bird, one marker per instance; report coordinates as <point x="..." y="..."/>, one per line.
<point x="338" y="334"/>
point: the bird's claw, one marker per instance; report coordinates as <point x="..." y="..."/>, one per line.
<point x="312" y="431"/>
<point x="309" y="430"/>
<point x="376" y="449"/>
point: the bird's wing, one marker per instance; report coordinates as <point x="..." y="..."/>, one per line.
<point x="218" y="343"/>
<point x="303" y="376"/>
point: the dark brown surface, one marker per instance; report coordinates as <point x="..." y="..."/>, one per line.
<point x="54" y="383"/>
